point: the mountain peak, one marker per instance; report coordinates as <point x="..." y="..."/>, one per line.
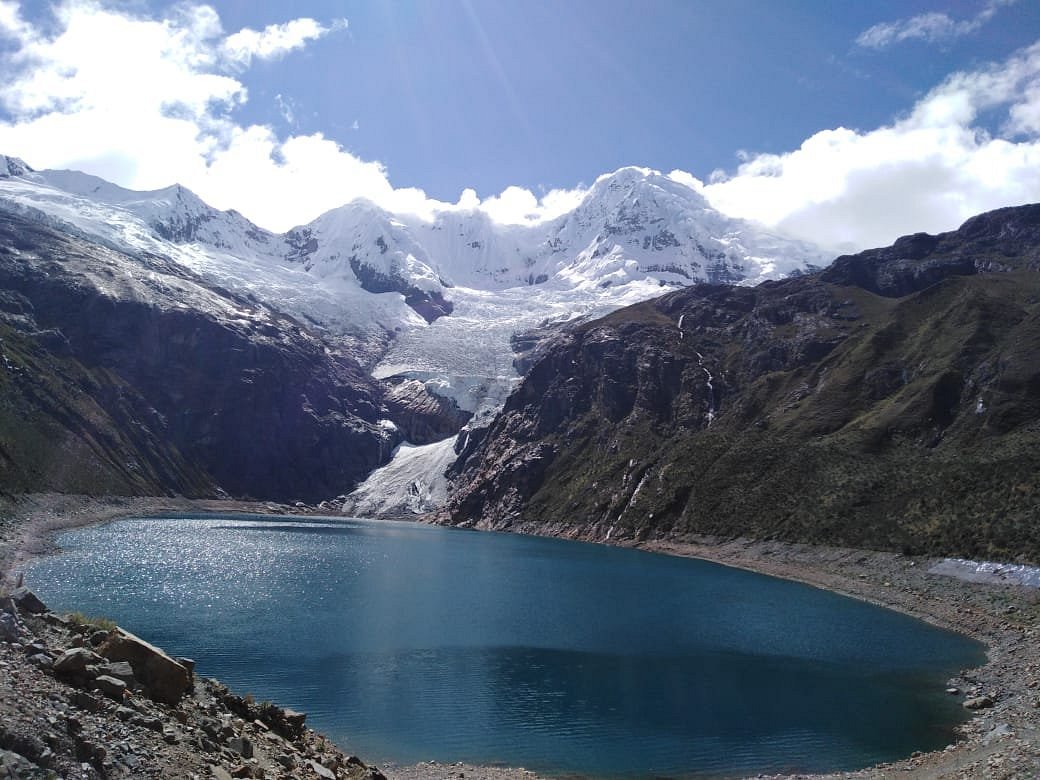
<point x="13" y="166"/>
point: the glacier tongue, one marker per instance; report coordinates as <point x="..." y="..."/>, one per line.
<point x="412" y="483"/>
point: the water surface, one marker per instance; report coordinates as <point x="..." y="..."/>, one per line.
<point x="406" y="642"/>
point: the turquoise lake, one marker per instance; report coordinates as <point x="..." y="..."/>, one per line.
<point x="406" y="642"/>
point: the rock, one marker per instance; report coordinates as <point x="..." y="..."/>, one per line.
<point x="286" y="759"/>
<point x="10" y="630"/>
<point x="110" y="686"/>
<point x="97" y="638"/>
<point x="121" y="670"/>
<point x="75" y="661"/>
<point x="242" y="746"/>
<point x="978" y="703"/>
<point x="15" y="765"/>
<point x="187" y="663"/>
<point x="321" y="771"/>
<point x="27" y="602"/>
<point x="86" y="701"/>
<point x="41" y="660"/>
<point x="170" y="736"/>
<point x="953" y="691"/>
<point x="166" y="680"/>
<point x="219" y="773"/>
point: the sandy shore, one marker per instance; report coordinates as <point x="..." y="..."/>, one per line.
<point x="1000" y="741"/>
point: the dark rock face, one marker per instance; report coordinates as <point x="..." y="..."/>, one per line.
<point x="159" y="382"/>
<point x="422" y="416"/>
<point x="428" y="305"/>
<point x="891" y="401"/>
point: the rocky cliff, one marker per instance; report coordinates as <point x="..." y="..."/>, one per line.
<point x="129" y="375"/>
<point x="891" y="401"/>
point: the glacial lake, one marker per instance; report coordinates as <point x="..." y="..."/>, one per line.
<point x="406" y="643"/>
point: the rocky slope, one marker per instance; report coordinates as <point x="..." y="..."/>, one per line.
<point x="131" y="375"/>
<point x="84" y="699"/>
<point x="890" y="402"/>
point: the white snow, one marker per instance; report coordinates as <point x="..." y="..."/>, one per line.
<point x="987" y="572"/>
<point x="413" y="482"/>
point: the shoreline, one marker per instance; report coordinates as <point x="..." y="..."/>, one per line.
<point x="1000" y="741"/>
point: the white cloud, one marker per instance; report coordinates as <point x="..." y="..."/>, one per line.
<point x="929" y="170"/>
<point x="933" y="27"/>
<point x="147" y="102"/>
<point x="275" y="40"/>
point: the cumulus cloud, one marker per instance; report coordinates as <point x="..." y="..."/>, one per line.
<point x="147" y="102"/>
<point x="928" y="170"/>
<point x="933" y="27"/>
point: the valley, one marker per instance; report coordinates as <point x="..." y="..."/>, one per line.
<point x="642" y="372"/>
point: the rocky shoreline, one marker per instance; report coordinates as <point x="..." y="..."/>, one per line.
<point x="44" y="724"/>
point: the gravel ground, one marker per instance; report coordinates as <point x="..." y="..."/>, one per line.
<point x="1002" y="740"/>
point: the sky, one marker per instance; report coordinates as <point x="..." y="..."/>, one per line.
<point x="843" y="123"/>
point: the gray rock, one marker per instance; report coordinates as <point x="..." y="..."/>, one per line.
<point x="286" y="760"/>
<point x="220" y="773"/>
<point x="10" y="630"/>
<point x="110" y="686"/>
<point x="41" y="660"/>
<point x="75" y="661"/>
<point x="242" y="746"/>
<point x="121" y="670"/>
<point x="321" y="771"/>
<point x="978" y="703"/>
<point x="85" y="701"/>
<point x="15" y="765"/>
<point x="166" y="680"/>
<point x="97" y="638"/>
<point x="27" y="602"/>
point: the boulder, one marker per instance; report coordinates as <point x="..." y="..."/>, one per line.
<point x="27" y="602"/>
<point x="121" y="670"/>
<point x="10" y="631"/>
<point x="166" y="680"/>
<point x="75" y="661"/>
<point x="242" y="746"/>
<point x="978" y="703"/>
<point x="110" y="686"/>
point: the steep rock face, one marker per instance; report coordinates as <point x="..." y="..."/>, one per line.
<point x="423" y="417"/>
<point x="221" y="389"/>
<point x="892" y="401"/>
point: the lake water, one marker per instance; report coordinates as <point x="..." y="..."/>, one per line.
<point x="405" y="642"/>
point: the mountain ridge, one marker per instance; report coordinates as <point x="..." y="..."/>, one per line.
<point x="810" y="409"/>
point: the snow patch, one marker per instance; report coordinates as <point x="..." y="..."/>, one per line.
<point x="986" y="572"/>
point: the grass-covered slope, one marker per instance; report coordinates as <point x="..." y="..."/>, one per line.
<point x="891" y="401"/>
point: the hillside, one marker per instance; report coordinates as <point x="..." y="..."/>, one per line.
<point x="891" y="401"/>
<point x="132" y="376"/>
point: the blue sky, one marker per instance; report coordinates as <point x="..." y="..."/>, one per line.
<point x="816" y="118"/>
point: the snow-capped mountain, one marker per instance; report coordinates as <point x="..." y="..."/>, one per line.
<point x="439" y="300"/>
<point x="385" y="281"/>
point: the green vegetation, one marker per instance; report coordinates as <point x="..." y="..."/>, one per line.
<point x="91" y="623"/>
<point x="841" y="417"/>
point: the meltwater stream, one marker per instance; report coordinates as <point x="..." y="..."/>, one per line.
<point x="405" y="643"/>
